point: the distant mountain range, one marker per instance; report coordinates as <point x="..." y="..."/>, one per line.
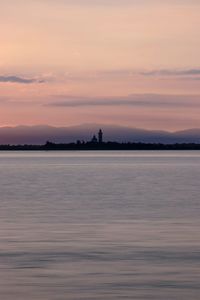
<point x="41" y="133"/>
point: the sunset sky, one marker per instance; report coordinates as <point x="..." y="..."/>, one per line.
<point x="128" y="62"/>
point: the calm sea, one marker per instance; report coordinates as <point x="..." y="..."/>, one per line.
<point x="99" y="225"/>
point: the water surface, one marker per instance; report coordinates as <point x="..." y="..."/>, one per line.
<point x="99" y="225"/>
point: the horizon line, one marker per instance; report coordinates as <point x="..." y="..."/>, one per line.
<point x="100" y="125"/>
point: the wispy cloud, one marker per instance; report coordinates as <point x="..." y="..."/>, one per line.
<point x="188" y="72"/>
<point x="137" y="100"/>
<point x="16" y="79"/>
<point x="157" y="73"/>
<point x="118" y="74"/>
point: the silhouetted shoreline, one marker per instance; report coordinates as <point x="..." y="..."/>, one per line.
<point x="104" y="146"/>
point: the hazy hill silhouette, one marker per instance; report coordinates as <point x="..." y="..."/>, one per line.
<point x="41" y="133"/>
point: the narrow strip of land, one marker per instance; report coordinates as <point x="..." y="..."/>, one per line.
<point x="86" y="146"/>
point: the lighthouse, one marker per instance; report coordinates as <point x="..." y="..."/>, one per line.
<point x="100" y="136"/>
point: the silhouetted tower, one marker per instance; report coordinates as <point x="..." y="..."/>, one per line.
<point x="100" y="136"/>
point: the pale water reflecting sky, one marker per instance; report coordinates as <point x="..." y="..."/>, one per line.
<point x="99" y="225"/>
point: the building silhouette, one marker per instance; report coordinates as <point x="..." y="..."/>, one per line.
<point x="98" y="140"/>
<point x="100" y="136"/>
<point x="94" y="139"/>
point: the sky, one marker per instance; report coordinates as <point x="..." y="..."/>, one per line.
<point x="127" y="62"/>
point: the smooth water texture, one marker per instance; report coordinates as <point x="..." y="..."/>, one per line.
<point x="99" y="225"/>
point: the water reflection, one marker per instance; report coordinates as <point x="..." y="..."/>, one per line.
<point x="88" y="229"/>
